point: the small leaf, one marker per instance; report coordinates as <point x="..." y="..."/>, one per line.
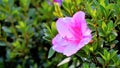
<point x="104" y="26"/>
<point x="112" y="37"/>
<point x="110" y="26"/>
<point x="58" y="10"/>
<point x="1" y="63"/>
<point x="19" y="66"/>
<point x="104" y="57"/>
<point x="108" y="55"/>
<point x="92" y="65"/>
<point x="51" y="52"/>
<point x="48" y="28"/>
<point x="85" y="65"/>
<point x="53" y="28"/>
<point x="2" y="43"/>
<point x="100" y="60"/>
<point x="66" y="60"/>
<point x="6" y="29"/>
<point x="113" y="54"/>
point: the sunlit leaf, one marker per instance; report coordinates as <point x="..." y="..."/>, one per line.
<point x="51" y="52"/>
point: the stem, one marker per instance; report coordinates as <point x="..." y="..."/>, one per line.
<point x="26" y="39"/>
<point x="0" y="29"/>
<point x="95" y="25"/>
<point x="94" y="57"/>
<point x="116" y="21"/>
<point x="14" y="29"/>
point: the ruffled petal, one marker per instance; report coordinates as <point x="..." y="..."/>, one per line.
<point x="63" y="25"/>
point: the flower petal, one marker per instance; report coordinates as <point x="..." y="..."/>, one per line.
<point x="73" y="48"/>
<point x="87" y="32"/>
<point x="79" y="16"/>
<point x="79" y="19"/>
<point x="70" y="49"/>
<point x="59" y="43"/>
<point x="63" y="25"/>
<point x="85" y="40"/>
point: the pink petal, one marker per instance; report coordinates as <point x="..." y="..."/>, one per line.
<point x="58" y="48"/>
<point x="63" y="25"/>
<point x="85" y="40"/>
<point x="79" y="19"/>
<point x="70" y="49"/>
<point x="77" y="33"/>
<point x="79" y="15"/>
<point x="59" y="43"/>
<point x="87" y="32"/>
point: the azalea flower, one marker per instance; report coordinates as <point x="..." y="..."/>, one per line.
<point x="73" y="34"/>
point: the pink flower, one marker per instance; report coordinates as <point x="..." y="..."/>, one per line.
<point x="73" y="34"/>
<point x="58" y="1"/>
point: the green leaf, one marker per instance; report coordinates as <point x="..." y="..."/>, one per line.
<point x="104" y="57"/>
<point x="19" y="66"/>
<point x="67" y="1"/>
<point x="48" y="28"/>
<point x="16" y="44"/>
<point x="31" y="12"/>
<point x="6" y="29"/>
<point x="110" y="26"/>
<point x="112" y="37"/>
<point x="51" y="52"/>
<point x="101" y="33"/>
<point x="106" y="54"/>
<point x="1" y="63"/>
<point x="100" y="60"/>
<point x="102" y="2"/>
<point x="2" y="16"/>
<point x="85" y="65"/>
<point x="92" y="65"/>
<point x="25" y="4"/>
<point x="113" y="53"/>
<point x="2" y="43"/>
<point x="108" y="57"/>
<point x="95" y="45"/>
<point x="53" y="28"/>
<point x="104" y="27"/>
<point x="87" y="49"/>
<point x="5" y="1"/>
<point x="58" y="11"/>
